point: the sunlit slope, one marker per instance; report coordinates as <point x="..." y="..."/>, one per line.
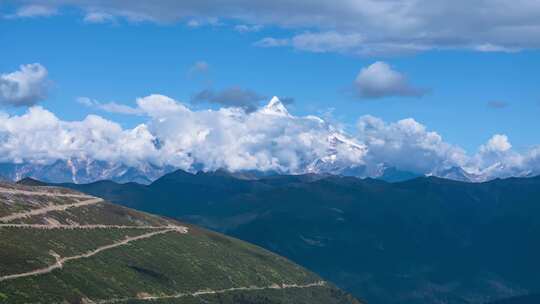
<point x="59" y="246"/>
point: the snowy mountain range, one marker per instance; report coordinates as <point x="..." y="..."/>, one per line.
<point x="83" y="171"/>
<point x="270" y="141"/>
<point x="86" y="171"/>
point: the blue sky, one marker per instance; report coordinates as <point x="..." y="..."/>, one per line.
<point x="463" y="76"/>
<point x="122" y="61"/>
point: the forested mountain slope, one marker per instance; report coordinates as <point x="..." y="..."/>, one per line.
<point x="427" y="240"/>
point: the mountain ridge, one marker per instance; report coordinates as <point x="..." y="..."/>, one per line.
<point x="349" y="229"/>
<point x="87" y="171"/>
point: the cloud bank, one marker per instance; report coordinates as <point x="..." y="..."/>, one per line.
<point x="365" y="27"/>
<point x="267" y="139"/>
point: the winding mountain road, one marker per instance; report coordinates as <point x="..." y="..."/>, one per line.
<point x="60" y="261"/>
<point x="212" y="292"/>
<point x="90" y="227"/>
<point x="43" y="193"/>
<point x="48" y="209"/>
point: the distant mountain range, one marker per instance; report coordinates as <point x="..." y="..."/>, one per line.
<point x="425" y="240"/>
<point x="81" y="171"/>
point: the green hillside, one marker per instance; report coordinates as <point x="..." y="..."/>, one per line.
<point x="60" y="246"/>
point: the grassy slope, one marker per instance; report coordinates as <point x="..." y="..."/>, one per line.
<point x="162" y="265"/>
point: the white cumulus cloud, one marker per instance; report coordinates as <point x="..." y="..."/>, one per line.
<point x="380" y="80"/>
<point x="40" y="136"/>
<point x="229" y="138"/>
<point x="407" y="145"/>
<point x="497" y="143"/>
<point x="24" y="87"/>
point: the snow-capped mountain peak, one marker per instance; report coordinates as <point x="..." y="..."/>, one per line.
<point x="342" y="155"/>
<point x="457" y="173"/>
<point x="275" y="107"/>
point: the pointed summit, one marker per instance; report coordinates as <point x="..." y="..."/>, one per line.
<point x="275" y="107"/>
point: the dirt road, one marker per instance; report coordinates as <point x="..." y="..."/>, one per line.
<point x="60" y="261"/>
<point x="48" y="209"/>
<point x="212" y="292"/>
